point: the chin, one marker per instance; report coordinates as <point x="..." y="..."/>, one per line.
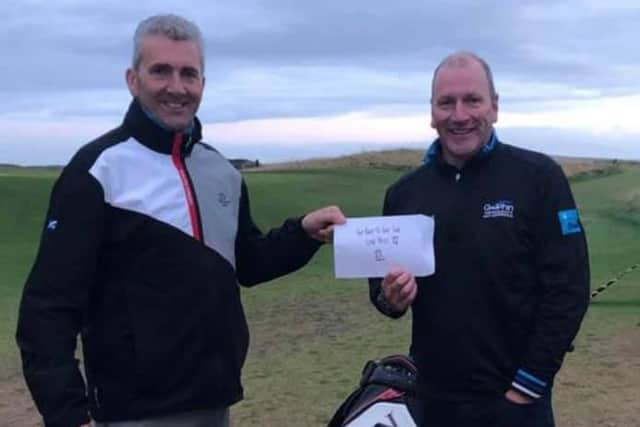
<point x="465" y="147"/>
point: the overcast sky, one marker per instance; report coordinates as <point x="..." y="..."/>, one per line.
<point x="292" y="78"/>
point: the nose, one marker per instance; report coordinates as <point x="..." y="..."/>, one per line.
<point x="460" y="112"/>
<point x="175" y="84"/>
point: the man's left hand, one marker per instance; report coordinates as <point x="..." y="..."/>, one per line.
<point x="319" y="223"/>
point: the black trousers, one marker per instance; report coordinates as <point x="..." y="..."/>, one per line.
<point x="495" y="412"/>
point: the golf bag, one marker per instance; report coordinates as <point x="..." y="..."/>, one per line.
<point x="382" y="399"/>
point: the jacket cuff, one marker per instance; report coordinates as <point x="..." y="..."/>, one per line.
<point x="529" y="385"/>
<point x="304" y="236"/>
<point x="386" y="308"/>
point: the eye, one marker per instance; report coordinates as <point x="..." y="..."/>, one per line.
<point x="190" y="73"/>
<point x="160" y="70"/>
<point x="445" y="102"/>
<point x="473" y="100"/>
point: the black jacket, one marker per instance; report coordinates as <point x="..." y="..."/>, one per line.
<point x="147" y="235"/>
<point x="512" y="275"/>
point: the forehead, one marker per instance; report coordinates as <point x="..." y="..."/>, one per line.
<point x="457" y="80"/>
<point x="157" y="49"/>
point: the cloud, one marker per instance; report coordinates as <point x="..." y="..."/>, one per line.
<point x="540" y="40"/>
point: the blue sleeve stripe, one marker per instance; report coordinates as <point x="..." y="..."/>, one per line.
<point x="529" y="385"/>
<point x="530" y="377"/>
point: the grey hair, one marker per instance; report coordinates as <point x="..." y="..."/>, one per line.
<point x="173" y="27"/>
<point x="462" y="59"/>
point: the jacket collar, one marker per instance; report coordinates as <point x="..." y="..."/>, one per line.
<point x="149" y="133"/>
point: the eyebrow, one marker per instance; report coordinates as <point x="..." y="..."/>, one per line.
<point x="167" y="66"/>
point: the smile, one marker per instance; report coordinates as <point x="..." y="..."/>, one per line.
<point x="460" y="131"/>
<point x="174" y="105"/>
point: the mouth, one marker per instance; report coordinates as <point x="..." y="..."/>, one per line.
<point x="460" y="131"/>
<point x="174" y="105"/>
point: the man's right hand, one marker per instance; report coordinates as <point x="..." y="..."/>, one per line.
<point x="399" y="288"/>
<point x="319" y="224"/>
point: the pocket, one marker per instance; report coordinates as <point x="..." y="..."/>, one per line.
<point x="535" y="414"/>
<point x="227" y="334"/>
<point x="513" y="414"/>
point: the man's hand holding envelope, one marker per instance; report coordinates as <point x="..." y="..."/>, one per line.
<point x="396" y="248"/>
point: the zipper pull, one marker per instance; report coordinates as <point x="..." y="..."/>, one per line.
<point x="187" y="145"/>
<point x="458" y="176"/>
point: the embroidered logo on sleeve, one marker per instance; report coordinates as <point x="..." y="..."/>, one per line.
<point x="569" y="223"/>
<point x="223" y="199"/>
<point x="52" y="224"/>
<point x="499" y="209"/>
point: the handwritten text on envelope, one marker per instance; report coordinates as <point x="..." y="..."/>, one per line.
<point x="371" y="246"/>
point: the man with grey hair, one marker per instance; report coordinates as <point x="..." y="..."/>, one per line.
<point x="492" y="325"/>
<point x="147" y="236"/>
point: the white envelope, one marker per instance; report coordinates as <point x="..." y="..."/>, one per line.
<point x="371" y="246"/>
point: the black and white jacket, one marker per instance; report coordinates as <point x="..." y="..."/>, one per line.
<point x="512" y="273"/>
<point x="147" y="236"/>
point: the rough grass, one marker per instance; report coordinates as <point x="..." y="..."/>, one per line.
<point x="401" y="159"/>
<point x="404" y="159"/>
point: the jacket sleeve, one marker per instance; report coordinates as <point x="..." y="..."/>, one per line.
<point x="376" y="296"/>
<point x="263" y="257"/>
<point x="55" y="296"/>
<point x="562" y="266"/>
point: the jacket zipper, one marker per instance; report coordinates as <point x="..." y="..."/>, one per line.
<point x="178" y="161"/>
<point x="95" y="397"/>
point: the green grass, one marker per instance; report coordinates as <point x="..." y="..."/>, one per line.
<point x="610" y="210"/>
<point x="311" y="334"/>
<point x="25" y="200"/>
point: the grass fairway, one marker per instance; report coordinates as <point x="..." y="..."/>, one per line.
<point x="311" y="334"/>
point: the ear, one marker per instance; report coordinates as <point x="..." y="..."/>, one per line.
<point x="494" y="107"/>
<point x="132" y="81"/>
<point x="433" y="120"/>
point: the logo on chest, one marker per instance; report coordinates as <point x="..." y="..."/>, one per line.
<point x="499" y="209"/>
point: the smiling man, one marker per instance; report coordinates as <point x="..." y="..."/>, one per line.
<point x="492" y="325"/>
<point x="147" y="236"/>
